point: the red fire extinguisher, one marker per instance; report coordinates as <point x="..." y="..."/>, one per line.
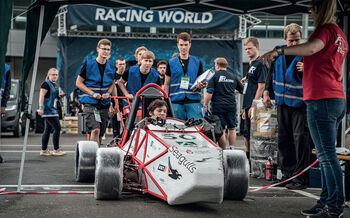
<point x="268" y="171"/>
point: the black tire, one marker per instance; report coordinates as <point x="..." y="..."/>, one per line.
<point x="109" y="174"/>
<point x="85" y="157"/>
<point x="16" y="130"/>
<point x="236" y="169"/>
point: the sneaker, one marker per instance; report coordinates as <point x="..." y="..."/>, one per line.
<point x="46" y="152"/>
<point x="326" y="213"/>
<point x="313" y="210"/>
<point x="296" y="186"/>
<point x="58" y="152"/>
<point x="231" y="147"/>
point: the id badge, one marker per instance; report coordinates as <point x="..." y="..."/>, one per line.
<point x="185" y="82"/>
<point x="245" y="87"/>
<point x="97" y="116"/>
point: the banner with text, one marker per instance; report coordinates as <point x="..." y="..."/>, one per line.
<point x="138" y="17"/>
<point x="73" y="52"/>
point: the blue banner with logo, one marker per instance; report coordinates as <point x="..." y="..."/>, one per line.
<point x="74" y="51"/>
<point x="138" y="17"/>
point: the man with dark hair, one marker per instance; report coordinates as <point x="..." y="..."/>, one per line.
<point x="5" y="92"/>
<point x="96" y="83"/>
<point x="161" y="67"/>
<point x="285" y="77"/>
<point x="254" y="84"/>
<point x="120" y="65"/>
<point x="221" y="91"/>
<point x="182" y="72"/>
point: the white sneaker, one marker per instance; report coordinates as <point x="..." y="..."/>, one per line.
<point x="58" y="152"/>
<point x="231" y="147"/>
<point x="46" y="152"/>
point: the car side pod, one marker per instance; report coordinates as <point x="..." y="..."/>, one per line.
<point x="236" y="167"/>
<point x="85" y="156"/>
<point x="109" y="173"/>
<point x="195" y="175"/>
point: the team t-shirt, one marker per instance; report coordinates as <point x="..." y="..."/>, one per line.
<point x="322" y="77"/>
<point x="255" y="75"/>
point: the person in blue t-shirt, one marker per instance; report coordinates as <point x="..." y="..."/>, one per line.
<point x="254" y="84"/>
<point x="221" y="91"/>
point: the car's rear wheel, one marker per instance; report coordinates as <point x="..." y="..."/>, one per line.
<point x="85" y="157"/>
<point x="109" y="173"/>
<point x="236" y="168"/>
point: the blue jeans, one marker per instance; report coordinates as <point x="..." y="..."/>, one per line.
<point x="324" y="117"/>
<point x="187" y="111"/>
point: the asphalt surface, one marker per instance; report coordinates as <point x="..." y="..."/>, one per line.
<point x="57" y="174"/>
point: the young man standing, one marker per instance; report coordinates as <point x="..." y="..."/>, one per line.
<point x="182" y="72"/>
<point x="139" y="76"/>
<point x="161" y="67"/>
<point x="221" y="91"/>
<point x="285" y="77"/>
<point x="254" y="84"/>
<point x="96" y="83"/>
<point x="120" y="65"/>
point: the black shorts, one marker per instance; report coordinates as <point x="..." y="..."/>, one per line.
<point x="246" y="132"/>
<point x="91" y="122"/>
<point x="228" y="119"/>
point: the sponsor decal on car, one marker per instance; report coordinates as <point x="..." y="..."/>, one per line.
<point x="162" y="168"/>
<point x="182" y="160"/>
<point x="173" y="173"/>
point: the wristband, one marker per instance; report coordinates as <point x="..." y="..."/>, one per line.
<point x="92" y="93"/>
<point x="205" y="106"/>
<point x="41" y="106"/>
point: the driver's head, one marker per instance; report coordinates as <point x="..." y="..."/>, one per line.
<point x="158" y="108"/>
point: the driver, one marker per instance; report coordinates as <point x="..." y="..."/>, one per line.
<point x="158" y="108"/>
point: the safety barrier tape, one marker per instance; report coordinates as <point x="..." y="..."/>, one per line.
<point x="287" y="180"/>
<point x="2" y="192"/>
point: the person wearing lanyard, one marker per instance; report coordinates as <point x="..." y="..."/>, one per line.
<point x="323" y="54"/>
<point x="96" y="83"/>
<point x="182" y="72"/>
<point x="48" y="95"/>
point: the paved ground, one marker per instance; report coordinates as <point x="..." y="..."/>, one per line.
<point x="57" y="173"/>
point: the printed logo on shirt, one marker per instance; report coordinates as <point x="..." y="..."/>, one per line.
<point x="224" y="80"/>
<point x="251" y="70"/>
<point x="340" y="42"/>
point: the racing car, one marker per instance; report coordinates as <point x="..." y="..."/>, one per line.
<point x="168" y="158"/>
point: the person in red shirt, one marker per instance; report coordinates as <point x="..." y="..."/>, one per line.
<point x="324" y="55"/>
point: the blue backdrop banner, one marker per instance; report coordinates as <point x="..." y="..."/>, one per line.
<point x="73" y="52"/>
<point x="138" y="17"/>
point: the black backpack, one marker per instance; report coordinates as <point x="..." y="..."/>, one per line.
<point x="215" y="122"/>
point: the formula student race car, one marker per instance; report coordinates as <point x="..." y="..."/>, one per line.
<point x="168" y="158"/>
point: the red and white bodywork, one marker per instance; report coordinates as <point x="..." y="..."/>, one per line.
<point x="179" y="166"/>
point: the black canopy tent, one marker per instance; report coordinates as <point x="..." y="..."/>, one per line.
<point x="42" y="13"/>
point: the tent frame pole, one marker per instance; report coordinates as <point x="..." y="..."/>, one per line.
<point x="35" y="70"/>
